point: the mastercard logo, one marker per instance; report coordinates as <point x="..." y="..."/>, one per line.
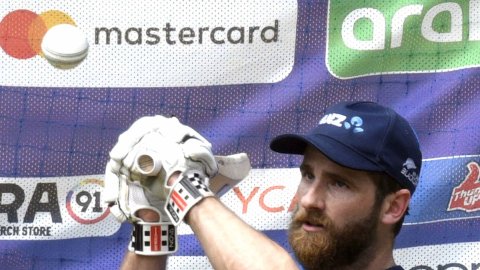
<point x="22" y="31"/>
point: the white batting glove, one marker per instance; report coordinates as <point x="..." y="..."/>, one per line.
<point x="166" y="136"/>
<point x="175" y="146"/>
<point x="154" y="148"/>
<point x="128" y="190"/>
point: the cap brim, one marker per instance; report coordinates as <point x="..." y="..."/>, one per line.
<point x="334" y="150"/>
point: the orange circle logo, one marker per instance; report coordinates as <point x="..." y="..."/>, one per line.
<point x="22" y="31"/>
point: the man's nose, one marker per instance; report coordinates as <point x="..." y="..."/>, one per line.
<point x="312" y="197"/>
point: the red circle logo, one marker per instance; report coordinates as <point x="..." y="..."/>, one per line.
<point x="84" y="204"/>
<point x="22" y="31"/>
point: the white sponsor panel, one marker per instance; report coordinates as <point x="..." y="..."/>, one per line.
<point x="455" y="256"/>
<point x="54" y="208"/>
<point x="189" y="262"/>
<point x="72" y="207"/>
<point x="159" y="43"/>
<point x="462" y="256"/>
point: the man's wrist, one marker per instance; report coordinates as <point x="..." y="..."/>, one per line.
<point x="198" y="208"/>
<point x="153" y="239"/>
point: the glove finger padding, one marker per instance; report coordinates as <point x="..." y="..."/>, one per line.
<point x="154" y="159"/>
<point x="199" y="151"/>
<point x="169" y="128"/>
<point x="125" y="198"/>
<point x="173" y="145"/>
<point x="232" y="170"/>
<point x="128" y="139"/>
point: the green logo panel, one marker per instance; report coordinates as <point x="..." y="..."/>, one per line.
<point x="398" y="36"/>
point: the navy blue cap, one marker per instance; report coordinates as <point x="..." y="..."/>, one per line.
<point x="362" y="136"/>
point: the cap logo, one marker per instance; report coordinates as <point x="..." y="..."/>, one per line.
<point x="338" y="120"/>
<point x="334" y="119"/>
<point x="355" y="124"/>
<point x="408" y="170"/>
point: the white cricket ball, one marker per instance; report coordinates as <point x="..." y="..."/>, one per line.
<point x="65" y="46"/>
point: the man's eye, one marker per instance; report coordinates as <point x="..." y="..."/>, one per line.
<point x="340" y="184"/>
<point x="307" y="176"/>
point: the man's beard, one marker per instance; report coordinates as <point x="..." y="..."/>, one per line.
<point x="333" y="247"/>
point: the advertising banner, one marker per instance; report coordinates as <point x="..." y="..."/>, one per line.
<point x="240" y="73"/>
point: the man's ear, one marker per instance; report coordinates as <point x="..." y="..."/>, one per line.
<point x="394" y="206"/>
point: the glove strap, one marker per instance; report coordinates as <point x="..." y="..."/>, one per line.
<point x="185" y="194"/>
<point x="153" y="239"/>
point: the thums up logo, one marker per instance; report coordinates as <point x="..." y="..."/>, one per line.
<point x="400" y="36"/>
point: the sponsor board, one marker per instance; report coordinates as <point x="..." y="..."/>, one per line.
<point x="70" y="207"/>
<point x="53" y="208"/>
<point x="156" y="44"/>
<point x="418" y="258"/>
<point x="458" y="256"/>
<point x="406" y="36"/>
<point x="448" y="189"/>
<point x="466" y="196"/>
